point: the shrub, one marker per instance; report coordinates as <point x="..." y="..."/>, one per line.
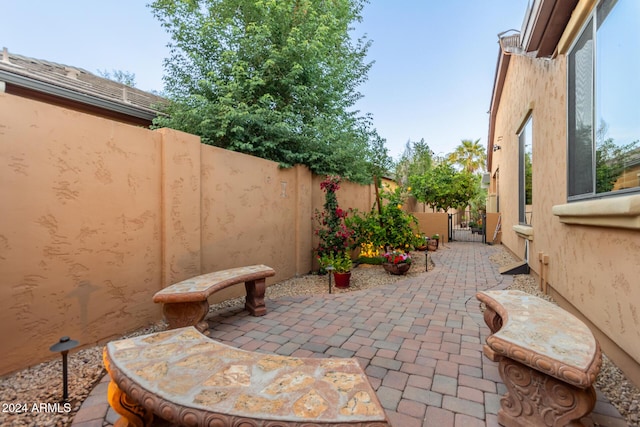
<point x="388" y="227"/>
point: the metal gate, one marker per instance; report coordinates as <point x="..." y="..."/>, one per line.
<point x="461" y="229"/>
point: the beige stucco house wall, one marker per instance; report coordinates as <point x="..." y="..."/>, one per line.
<point x="590" y="250"/>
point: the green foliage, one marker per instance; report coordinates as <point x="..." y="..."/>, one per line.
<point x="125" y="77"/>
<point x="443" y="187"/>
<point x="272" y="78"/>
<point x="416" y="159"/>
<point x="376" y="260"/>
<point x="470" y="155"/>
<point x="392" y="227"/>
<point x="528" y="179"/>
<point x="610" y="162"/>
<point x="340" y="262"/>
<point x="332" y="229"/>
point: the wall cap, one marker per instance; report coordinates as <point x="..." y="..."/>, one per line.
<point x="613" y="212"/>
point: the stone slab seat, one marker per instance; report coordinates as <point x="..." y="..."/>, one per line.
<point x="185" y="303"/>
<point x="182" y="377"/>
<point x="548" y="360"/>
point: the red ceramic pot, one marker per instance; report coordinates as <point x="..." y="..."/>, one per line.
<point x="342" y="279"/>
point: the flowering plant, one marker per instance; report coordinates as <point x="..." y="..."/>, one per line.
<point x="333" y="233"/>
<point x="397" y="257"/>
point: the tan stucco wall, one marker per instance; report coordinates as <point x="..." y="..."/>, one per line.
<point x="433" y="223"/>
<point x="97" y="216"/>
<point x="80" y="228"/>
<point x="594" y="269"/>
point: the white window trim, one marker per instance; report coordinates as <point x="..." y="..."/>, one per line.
<point x="612" y="212"/>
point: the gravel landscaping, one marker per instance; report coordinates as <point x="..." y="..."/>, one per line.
<point x="43" y="383"/>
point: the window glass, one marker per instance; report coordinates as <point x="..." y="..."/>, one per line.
<point x="603" y="113"/>
<point x="526" y="172"/>
<point x="617" y="95"/>
<point x="581" y="114"/>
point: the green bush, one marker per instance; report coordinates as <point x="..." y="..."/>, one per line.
<point x="375" y="260"/>
<point x="388" y="227"/>
<point x="340" y="262"/>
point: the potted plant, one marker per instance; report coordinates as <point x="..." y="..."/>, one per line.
<point x="476" y="227"/>
<point x="435" y="238"/>
<point x="422" y="242"/>
<point x="341" y="264"/>
<point x="397" y="262"/>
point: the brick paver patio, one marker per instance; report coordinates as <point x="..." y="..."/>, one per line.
<point x="419" y="340"/>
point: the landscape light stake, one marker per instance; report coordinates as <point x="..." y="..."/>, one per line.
<point x="330" y="270"/>
<point x="63" y="346"/>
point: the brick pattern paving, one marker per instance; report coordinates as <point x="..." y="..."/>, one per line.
<point x="419" y="341"/>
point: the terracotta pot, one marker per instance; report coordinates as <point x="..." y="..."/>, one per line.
<point x="421" y="248"/>
<point x="396" y="269"/>
<point x="342" y="279"/>
<point x="432" y="246"/>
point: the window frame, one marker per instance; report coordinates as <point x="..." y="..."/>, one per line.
<point x="591" y="20"/>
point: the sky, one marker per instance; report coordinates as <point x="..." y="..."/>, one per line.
<point x="435" y="60"/>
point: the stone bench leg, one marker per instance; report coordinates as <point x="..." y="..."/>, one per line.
<point x="181" y="314"/>
<point x="254" y="302"/>
<point x="536" y="399"/>
<point x="132" y="414"/>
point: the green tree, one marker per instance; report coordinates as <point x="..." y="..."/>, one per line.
<point x="443" y="187"/>
<point x="611" y="160"/>
<point x="470" y="155"/>
<point x="125" y="77"/>
<point x="272" y="78"/>
<point x="416" y="160"/>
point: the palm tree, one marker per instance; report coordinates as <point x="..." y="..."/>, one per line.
<point x="470" y="155"/>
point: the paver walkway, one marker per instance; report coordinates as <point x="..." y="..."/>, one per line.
<point x="419" y="339"/>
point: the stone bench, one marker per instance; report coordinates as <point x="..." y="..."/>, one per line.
<point x="548" y="360"/>
<point x="186" y="304"/>
<point x="182" y="377"/>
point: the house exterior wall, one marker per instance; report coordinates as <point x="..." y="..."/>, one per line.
<point x="592" y="271"/>
<point x="96" y="216"/>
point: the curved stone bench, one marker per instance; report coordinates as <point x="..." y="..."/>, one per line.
<point x="548" y="360"/>
<point x="186" y="304"/>
<point x="185" y="378"/>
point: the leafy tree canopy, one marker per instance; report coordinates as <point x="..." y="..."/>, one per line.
<point x="469" y="155"/>
<point x="443" y="187"/>
<point x="416" y="159"/>
<point x="272" y="78"/>
<point x="125" y="77"/>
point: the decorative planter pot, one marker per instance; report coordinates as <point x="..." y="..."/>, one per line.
<point x="342" y="279"/>
<point x="433" y="246"/>
<point x="396" y="269"/>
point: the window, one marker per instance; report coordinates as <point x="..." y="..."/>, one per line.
<point x="525" y="172"/>
<point x="603" y="112"/>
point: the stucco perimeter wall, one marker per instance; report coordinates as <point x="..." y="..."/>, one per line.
<point x="433" y="223"/>
<point x="80" y="228"/>
<point x="96" y="216"/>
<point x="253" y="212"/>
<point x="592" y="270"/>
